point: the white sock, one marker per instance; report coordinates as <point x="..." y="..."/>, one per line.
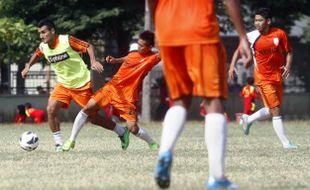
<point x="279" y="129"/>
<point x="143" y="134"/>
<point x="57" y="138"/>
<point x="262" y="113"/>
<point x="79" y="122"/>
<point x="215" y="138"/>
<point x="119" y="130"/>
<point x="173" y="125"/>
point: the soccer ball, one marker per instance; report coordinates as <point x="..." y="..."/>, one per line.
<point x="29" y="141"/>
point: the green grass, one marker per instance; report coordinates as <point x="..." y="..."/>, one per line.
<point x="97" y="162"/>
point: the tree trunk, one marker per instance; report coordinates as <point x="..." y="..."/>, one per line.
<point x="146" y="89"/>
<point x="20" y="82"/>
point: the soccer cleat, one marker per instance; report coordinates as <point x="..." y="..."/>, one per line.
<point x="163" y="170"/>
<point x="154" y="146"/>
<point x="69" y="144"/>
<point x="125" y="139"/>
<point x="58" y="148"/>
<point x="290" y="146"/>
<point x="245" y="125"/>
<point x="220" y="184"/>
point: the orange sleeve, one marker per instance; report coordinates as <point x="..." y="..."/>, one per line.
<point x="38" y="52"/>
<point x="285" y="42"/>
<point x="78" y="45"/>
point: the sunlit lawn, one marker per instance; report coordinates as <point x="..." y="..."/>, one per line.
<point x="256" y="161"/>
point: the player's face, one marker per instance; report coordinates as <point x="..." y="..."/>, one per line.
<point x="46" y="35"/>
<point x="143" y="46"/>
<point x="261" y="24"/>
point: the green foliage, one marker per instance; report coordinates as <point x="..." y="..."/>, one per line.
<point x="306" y="34"/>
<point x="80" y="17"/>
<point x="16" y="40"/>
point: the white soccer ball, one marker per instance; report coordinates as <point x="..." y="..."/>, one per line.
<point x="29" y="141"/>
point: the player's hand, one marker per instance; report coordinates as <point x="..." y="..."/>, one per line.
<point x="286" y="72"/>
<point x="231" y="73"/>
<point x="245" y="52"/>
<point x="110" y="59"/>
<point x="25" y="71"/>
<point x="96" y="66"/>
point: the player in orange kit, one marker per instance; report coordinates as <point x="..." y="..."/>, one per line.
<point x="194" y="62"/>
<point x="269" y="45"/>
<point x="37" y="115"/>
<point x="73" y="77"/>
<point x="122" y="91"/>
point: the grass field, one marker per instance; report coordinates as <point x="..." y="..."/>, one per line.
<point x="97" y="162"/>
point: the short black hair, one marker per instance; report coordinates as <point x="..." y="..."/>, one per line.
<point x="28" y="105"/>
<point x="148" y="36"/>
<point x="264" y="12"/>
<point x="21" y="109"/>
<point x="47" y="22"/>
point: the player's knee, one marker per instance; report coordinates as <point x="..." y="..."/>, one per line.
<point x="91" y="108"/>
<point x="184" y="101"/>
<point x="133" y="128"/>
<point x="51" y="110"/>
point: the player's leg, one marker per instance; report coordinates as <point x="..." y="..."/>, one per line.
<point x="274" y="100"/>
<point x="210" y="82"/>
<point x="142" y="134"/>
<point x="82" y="95"/>
<point x="261" y="114"/>
<point x="79" y="122"/>
<point x="53" y="107"/>
<point x="59" y="98"/>
<point x="180" y="89"/>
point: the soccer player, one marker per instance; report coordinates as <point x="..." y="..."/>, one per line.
<point x="122" y="91"/>
<point x="269" y="45"/>
<point x="249" y="95"/>
<point x="37" y="115"/>
<point x="73" y="77"/>
<point x="20" y="115"/>
<point x="195" y="65"/>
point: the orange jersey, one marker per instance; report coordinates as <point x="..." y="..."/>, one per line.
<point x="127" y="80"/>
<point x="194" y="22"/>
<point x="76" y="44"/>
<point x="269" y="56"/>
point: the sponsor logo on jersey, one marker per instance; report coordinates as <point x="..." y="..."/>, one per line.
<point x="58" y="58"/>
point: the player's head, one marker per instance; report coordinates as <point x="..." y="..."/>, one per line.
<point x="262" y="19"/>
<point x="21" y="109"/>
<point x="146" y="42"/>
<point x="28" y="105"/>
<point x="250" y="80"/>
<point x="47" y="30"/>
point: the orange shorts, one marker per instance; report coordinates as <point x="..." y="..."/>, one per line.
<point x="197" y="69"/>
<point x="65" y="95"/>
<point x="108" y="95"/>
<point x="271" y="94"/>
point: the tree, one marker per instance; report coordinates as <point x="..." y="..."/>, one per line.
<point x="15" y="45"/>
<point x="108" y="24"/>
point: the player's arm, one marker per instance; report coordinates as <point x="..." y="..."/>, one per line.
<point x="113" y="60"/>
<point x="233" y="69"/>
<point x="32" y="61"/>
<point x="289" y="55"/>
<point x="82" y="46"/>
<point x="234" y="11"/>
<point x="95" y="65"/>
<point x="288" y="65"/>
